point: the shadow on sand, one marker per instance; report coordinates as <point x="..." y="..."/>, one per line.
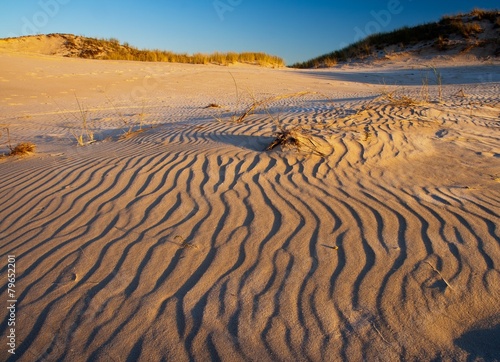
<point x="481" y="344"/>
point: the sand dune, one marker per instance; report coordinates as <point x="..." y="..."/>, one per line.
<point x="189" y="242"/>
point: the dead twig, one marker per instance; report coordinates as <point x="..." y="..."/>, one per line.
<point x="379" y="333"/>
<point x="440" y="275"/>
<point x="9" y="144"/>
<point x="213" y="105"/>
<point x="184" y="244"/>
<point x="296" y="138"/>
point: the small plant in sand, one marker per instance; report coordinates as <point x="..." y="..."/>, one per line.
<point x="299" y="139"/>
<point x="440" y="275"/>
<point x="136" y="128"/>
<point x="439" y="82"/>
<point x="265" y="102"/>
<point x="238" y="99"/>
<point x="132" y="128"/>
<point x="23" y="148"/>
<point x="400" y="100"/>
<point x="256" y="104"/>
<point x="295" y="137"/>
<point x="424" y="91"/>
<point x="461" y="93"/>
<point x="367" y="135"/>
<point x="84" y="136"/>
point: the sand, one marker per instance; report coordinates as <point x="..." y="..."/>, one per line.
<point x="188" y="241"/>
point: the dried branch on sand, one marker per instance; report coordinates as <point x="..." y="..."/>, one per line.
<point x="299" y="139"/>
<point x="213" y="105"/>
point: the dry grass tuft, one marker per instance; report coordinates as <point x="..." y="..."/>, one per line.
<point x="132" y="128"/>
<point x="213" y="105"/>
<point x="299" y="139"/>
<point x="266" y="101"/>
<point x="398" y="100"/>
<point x="130" y="133"/>
<point x="85" y="136"/>
<point x="256" y="104"/>
<point x="23" y="148"/>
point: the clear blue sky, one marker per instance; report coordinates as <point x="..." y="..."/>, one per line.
<point x="296" y="30"/>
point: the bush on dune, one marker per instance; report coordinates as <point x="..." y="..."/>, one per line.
<point x="464" y="25"/>
<point x="111" y="49"/>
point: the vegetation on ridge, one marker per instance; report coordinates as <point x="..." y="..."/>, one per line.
<point x="112" y="49"/>
<point x="128" y="52"/>
<point x="465" y="26"/>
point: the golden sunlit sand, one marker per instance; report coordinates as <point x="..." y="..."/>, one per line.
<point x="187" y="240"/>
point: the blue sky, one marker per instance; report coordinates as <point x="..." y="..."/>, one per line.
<point x="296" y="30"/>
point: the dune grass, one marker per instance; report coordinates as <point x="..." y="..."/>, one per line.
<point x="131" y="128"/>
<point x="85" y="135"/>
<point x="463" y="25"/>
<point x="112" y="49"/>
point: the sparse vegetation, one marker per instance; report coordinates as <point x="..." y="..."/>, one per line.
<point x="85" y="135"/>
<point x="112" y="49"/>
<point x="213" y="105"/>
<point x="23" y="148"/>
<point x="464" y="25"/>
<point x="130" y="53"/>
<point x="264" y="102"/>
<point x="424" y="91"/>
<point x="439" y="82"/>
<point x="481" y="14"/>
<point x="401" y="100"/>
<point x="367" y="135"/>
<point x="297" y="138"/>
<point x="183" y="244"/>
<point x="132" y="128"/>
<point x="256" y="104"/>
<point x="252" y="107"/>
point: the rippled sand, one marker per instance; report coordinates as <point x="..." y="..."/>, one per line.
<point x="188" y="241"/>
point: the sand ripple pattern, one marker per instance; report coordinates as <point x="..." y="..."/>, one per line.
<point x="188" y="242"/>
